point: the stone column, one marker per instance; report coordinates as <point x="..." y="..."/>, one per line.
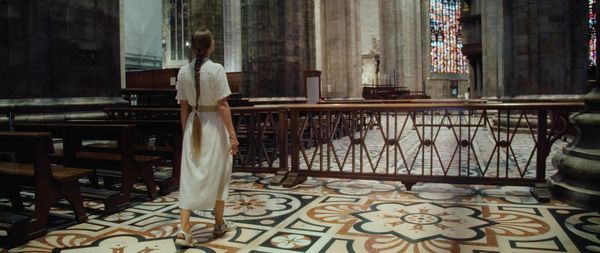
<point x="401" y="43"/>
<point x="208" y="14"/>
<point x="60" y="49"/>
<point x="233" y="35"/>
<point x="278" y="44"/>
<point x="492" y="61"/>
<point x="576" y="181"/>
<point x="544" y="47"/>
<point x="122" y="42"/>
<point x="317" y="15"/>
<point x="340" y="43"/>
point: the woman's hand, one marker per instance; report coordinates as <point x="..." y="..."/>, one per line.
<point x="233" y="149"/>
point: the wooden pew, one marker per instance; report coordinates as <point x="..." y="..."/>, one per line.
<point x="168" y="134"/>
<point x="256" y="138"/>
<point x="124" y="161"/>
<point x="49" y="181"/>
<point x="129" y="113"/>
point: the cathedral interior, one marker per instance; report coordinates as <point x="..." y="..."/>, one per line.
<point x="364" y="125"/>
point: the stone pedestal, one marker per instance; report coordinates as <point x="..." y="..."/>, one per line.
<point x="340" y="41"/>
<point x="578" y="176"/>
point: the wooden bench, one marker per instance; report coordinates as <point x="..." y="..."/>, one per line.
<point x="124" y="160"/>
<point x="169" y="140"/>
<point x="49" y="182"/>
<point x="130" y="113"/>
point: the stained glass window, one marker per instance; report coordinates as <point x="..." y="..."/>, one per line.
<point x="178" y="22"/>
<point x="446" y="56"/>
<point x="592" y="23"/>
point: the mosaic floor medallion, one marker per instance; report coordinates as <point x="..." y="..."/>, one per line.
<point x="336" y="215"/>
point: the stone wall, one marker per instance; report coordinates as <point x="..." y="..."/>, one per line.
<point x="233" y="36"/>
<point x="369" y="26"/>
<point x="369" y="41"/>
<point x="317" y="15"/>
<point x="440" y="88"/>
<point x="59" y="48"/>
<point x="208" y="14"/>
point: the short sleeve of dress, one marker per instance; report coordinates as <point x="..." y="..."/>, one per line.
<point x="180" y="90"/>
<point x="221" y="88"/>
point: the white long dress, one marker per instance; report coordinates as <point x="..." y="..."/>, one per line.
<point x="205" y="179"/>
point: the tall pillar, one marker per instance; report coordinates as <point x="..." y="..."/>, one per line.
<point x="340" y="43"/>
<point x="277" y="46"/>
<point x="492" y="62"/>
<point x="60" y="49"/>
<point x="233" y="35"/>
<point x="208" y="14"/>
<point x="576" y="181"/>
<point x="544" y="47"/>
<point x="401" y="43"/>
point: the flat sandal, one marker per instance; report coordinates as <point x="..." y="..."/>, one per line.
<point x="187" y="241"/>
<point x="221" y="229"/>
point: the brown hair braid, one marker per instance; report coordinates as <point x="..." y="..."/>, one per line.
<point x="201" y="43"/>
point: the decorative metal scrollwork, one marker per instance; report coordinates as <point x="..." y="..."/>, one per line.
<point x="465" y="143"/>
<point x="503" y="143"/>
<point x="427" y="142"/>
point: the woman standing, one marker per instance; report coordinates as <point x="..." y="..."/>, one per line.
<point x="209" y="139"/>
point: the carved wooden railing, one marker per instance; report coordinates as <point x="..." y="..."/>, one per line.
<point x="262" y="133"/>
<point x="468" y="143"/>
<point x="445" y="143"/>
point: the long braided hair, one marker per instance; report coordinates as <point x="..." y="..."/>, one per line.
<point x="201" y="42"/>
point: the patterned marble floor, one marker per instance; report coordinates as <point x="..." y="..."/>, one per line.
<point x="340" y="215"/>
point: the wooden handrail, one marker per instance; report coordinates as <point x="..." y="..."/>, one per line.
<point x="440" y="106"/>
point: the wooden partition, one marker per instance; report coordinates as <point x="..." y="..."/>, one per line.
<point x="235" y="81"/>
<point x="151" y="79"/>
<point x="152" y="88"/>
<point x="161" y="79"/>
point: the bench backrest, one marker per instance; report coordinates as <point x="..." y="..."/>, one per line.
<point x="36" y="145"/>
<point x="129" y="113"/>
<point x="142" y="126"/>
<point x="74" y="134"/>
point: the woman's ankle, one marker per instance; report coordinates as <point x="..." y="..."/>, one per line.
<point x="185" y="229"/>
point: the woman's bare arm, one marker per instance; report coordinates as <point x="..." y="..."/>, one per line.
<point x="225" y="112"/>
<point x="184" y="112"/>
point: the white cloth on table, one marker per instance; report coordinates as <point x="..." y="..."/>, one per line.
<point x="205" y="179"/>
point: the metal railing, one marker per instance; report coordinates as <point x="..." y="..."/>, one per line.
<point x="449" y="143"/>
<point x="478" y="143"/>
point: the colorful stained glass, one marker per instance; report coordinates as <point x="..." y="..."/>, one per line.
<point x="446" y="44"/>
<point x="593" y="32"/>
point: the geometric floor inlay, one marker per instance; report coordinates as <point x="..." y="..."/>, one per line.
<point x="342" y="215"/>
